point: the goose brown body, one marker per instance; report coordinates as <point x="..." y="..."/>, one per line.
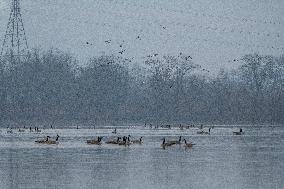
<point x="96" y="142"/>
<point x="166" y="144"/>
<point x="47" y="141"/>
<point x="188" y="145"/>
<point x="175" y="141"/>
<point x="113" y="141"/>
<point x="140" y="141"/>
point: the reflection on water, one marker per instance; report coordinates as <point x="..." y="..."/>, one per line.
<point x="219" y="160"/>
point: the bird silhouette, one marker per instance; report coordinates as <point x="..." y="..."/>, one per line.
<point x="121" y="52"/>
<point x="186" y="58"/>
<point x="108" y="41"/>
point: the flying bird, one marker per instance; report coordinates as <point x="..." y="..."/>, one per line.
<point x="121" y="52"/>
<point x="108" y="41"/>
<point x="186" y="58"/>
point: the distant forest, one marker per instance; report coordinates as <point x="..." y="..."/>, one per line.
<point x="51" y="86"/>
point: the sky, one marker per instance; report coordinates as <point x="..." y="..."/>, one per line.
<point x="212" y="32"/>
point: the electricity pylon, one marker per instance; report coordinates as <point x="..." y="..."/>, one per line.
<point x="15" y="42"/>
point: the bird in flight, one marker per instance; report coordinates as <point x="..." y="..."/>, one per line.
<point x="121" y="52"/>
<point x="186" y="58"/>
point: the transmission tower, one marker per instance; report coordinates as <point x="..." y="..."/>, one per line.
<point x="15" y="41"/>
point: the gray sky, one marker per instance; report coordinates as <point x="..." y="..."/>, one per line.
<point x="213" y="32"/>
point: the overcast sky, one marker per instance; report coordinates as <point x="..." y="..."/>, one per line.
<point x="213" y="32"/>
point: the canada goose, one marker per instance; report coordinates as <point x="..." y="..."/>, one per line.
<point x="113" y="141"/>
<point x="21" y="130"/>
<point x="137" y="141"/>
<point x="165" y="144"/>
<point x="47" y="141"/>
<point x="128" y="137"/>
<point x="114" y="131"/>
<point x="10" y="131"/>
<point x="175" y="141"/>
<point x="97" y="142"/>
<point x="202" y="132"/>
<point x="128" y="142"/>
<point x="44" y="140"/>
<point x="125" y="141"/>
<point x="188" y="145"/>
<point x="37" y="130"/>
<point x="52" y="141"/>
<point x="238" y="132"/>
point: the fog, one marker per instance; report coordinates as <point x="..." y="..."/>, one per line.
<point x="51" y="86"/>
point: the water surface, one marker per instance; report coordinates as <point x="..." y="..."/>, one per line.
<point x="220" y="160"/>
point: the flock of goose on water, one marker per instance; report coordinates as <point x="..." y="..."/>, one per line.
<point x="128" y="140"/>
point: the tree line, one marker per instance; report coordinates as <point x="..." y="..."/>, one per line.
<point x="52" y="86"/>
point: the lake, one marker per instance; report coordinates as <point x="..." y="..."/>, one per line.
<point x="220" y="160"/>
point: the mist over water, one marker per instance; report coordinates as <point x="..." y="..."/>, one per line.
<point x="219" y="160"/>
